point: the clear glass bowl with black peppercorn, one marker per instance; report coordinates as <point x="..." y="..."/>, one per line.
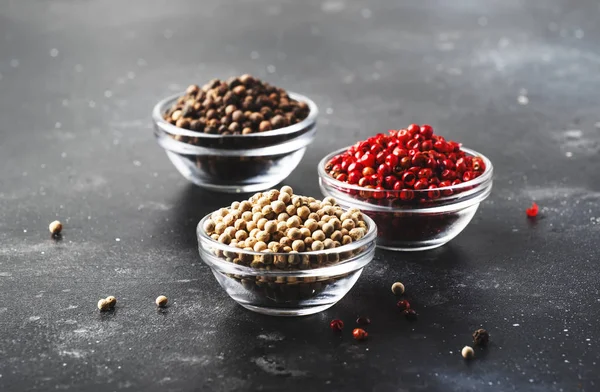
<point x="423" y="219"/>
<point x="235" y="162"/>
<point x="288" y="284"/>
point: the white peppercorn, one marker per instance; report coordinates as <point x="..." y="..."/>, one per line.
<point x="271" y="226"/>
<point x="161" y="301"/>
<point x="291" y="210"/>
<point x="303" y="212"/>
<point x="336" y="235"/>
<point x="304" y="232"/>
<point x="294" y="233"/>
<point x="317" y="245"/>
<point x="224" y="238"/>
<point x="311" y="225"/>
<point x="263" y="236"/>
<point x="112" y="301"/>
<point x="220" y="228"/>
<point x="467" y="352"/>
<point x="209" y="226"/>
<point x="346" y="240"/>
<point x="398" y="288"/>
<point x="278" y="206"/>
<point x="214" y="236"/>
<point x="328" y="229"/>
<point x="298" y="245"/>
<point x="260" y="246"/>
<point x="241" y="235"/>
<point x="284" y="197"/>
<point x="283" y="216"/>
<point x="261" y="223"/>
<point x="250" y="226"/>
<point x="328" y="243"/>
<point x="103" y="305"/>
<point x="287" y="189"/>
<point x="329" y="200"/>
<point x="247" y="216"/>
<point x="357" y="233"/>
<point x="240" y="224"/>
<point x="318" y="235"/>
<point x="314" y="206"/>
<point x="294" y="221"/>
<point x="282" y="226"/>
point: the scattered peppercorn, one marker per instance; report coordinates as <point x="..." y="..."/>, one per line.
<point x="238" y="106"/>
<point x="161" y="301"/>
<point x="363" y="321"/>
<point x="410" y="314"/>
<point x="55" y="228"/>
<point x="467" y="352"/>
<point x="103" y="305"/>
<point x="112" y="301"/>
<point x="403" y="304"/>
<point x="533" y="210"/>
<point x="405" y="164"/>
<point x="336" y="325"/>
<point x="398" y="288"/>
<point x="359" y="334"/>
<point x="481" y="337"/>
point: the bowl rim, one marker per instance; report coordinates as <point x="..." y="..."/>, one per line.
<point x="160" y="107"/>
<point x="485" y="177"/>
<point x="351" y="264"/>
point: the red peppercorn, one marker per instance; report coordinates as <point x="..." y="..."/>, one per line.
<point x="359" y="334"/>
<point x="383" y="170"/>
<point x="533" y="210"/>
<point x="355" y="166"/>
<point x="440" y="146"/>
<point x="413" y="129"/>
<point x="413" y="144"/>
<point x="389" y="181"/>
<point x="425" y="173"/>
<point x="434" y="193"/>
<point x="367" y="160"/>
<point x="342" y="177"/>
<point x="381" y="194"/>
<point x="400" y="152"/>
<point x="391" y="160"/>
<point x="398" y="185"/>
<point x="409" y="179"/>
<point x="448" y="175"/>
<point x="403" y="304"/>
<point x="364" y="181"/>
<point x="421" y="184"/>
<point x="336" y="168"/>
<point x="345" y="164"/>
<point x="336" y="325"/>
<point x="368" y="171"/>
<point x="403" y="135"/>
<point x="363" y="321"/>
<point x="426" y="145"/>
<point x="468" y="176"/>
<point x="354" y="177"/>
<point x="406" y="194"/>
<point x="410" y="314"/>
<point x="419" y="159"/>
<point x="426" y="130"/>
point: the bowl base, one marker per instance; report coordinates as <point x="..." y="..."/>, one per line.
<point x="250" y="188"/>
<point x="411" y="249"/>
<point x="287" y="312"/>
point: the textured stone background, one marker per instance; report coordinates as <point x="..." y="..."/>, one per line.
<point x="516" y="80"/>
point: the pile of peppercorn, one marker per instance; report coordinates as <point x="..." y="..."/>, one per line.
<point x="238" y="106"/>
<point x="405" y="164"/>
<point x="278" y="221"/>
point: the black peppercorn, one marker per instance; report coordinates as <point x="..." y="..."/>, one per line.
<point x="481" y="337"/>
<point x="254" y="105"/>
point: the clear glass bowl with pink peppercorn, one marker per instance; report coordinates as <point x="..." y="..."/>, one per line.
<point x="413" y="220"/>
<point x="235" y="163"/>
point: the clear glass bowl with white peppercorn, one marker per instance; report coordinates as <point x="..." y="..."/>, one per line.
<point x="286" y="255"/>
<point x="235" y="139"/>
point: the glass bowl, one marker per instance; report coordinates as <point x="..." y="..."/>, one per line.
<point x="427" y="221"/>
<point x="235" y="163"/>
<point x="290" y="284"/>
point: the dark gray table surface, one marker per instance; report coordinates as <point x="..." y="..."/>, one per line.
<point x="516" y="80"/>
